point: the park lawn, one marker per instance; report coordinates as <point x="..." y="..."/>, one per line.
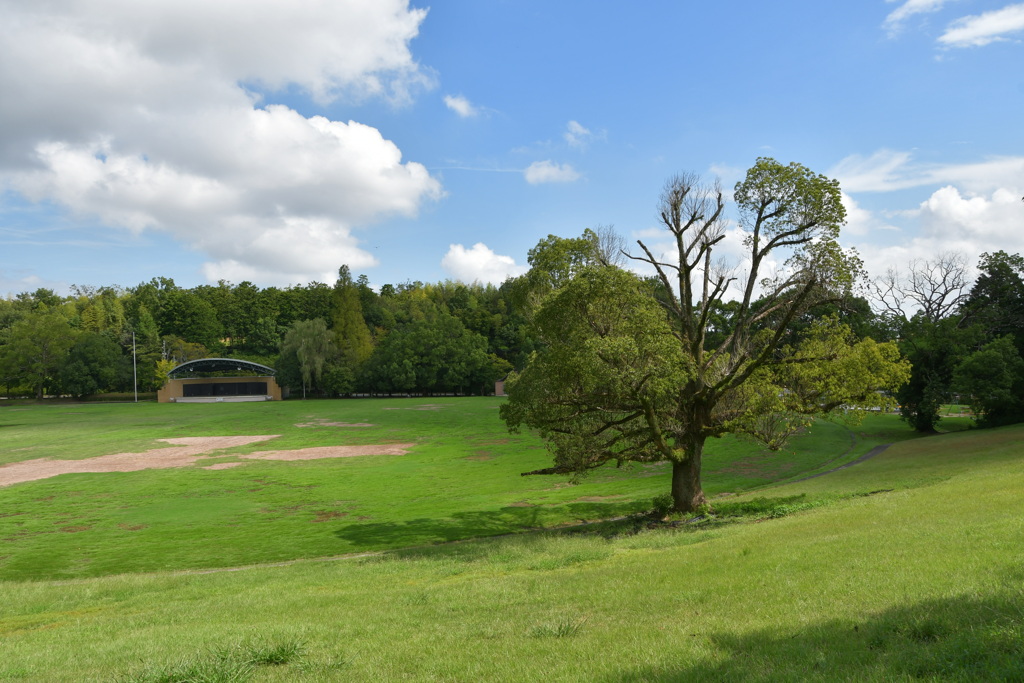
<point x="911" y="571"/>
<point x="460" y="480"/>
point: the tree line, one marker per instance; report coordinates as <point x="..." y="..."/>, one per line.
<point x="324" y="340"/>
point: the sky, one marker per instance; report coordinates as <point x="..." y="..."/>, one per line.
<point x="273" y="141"/>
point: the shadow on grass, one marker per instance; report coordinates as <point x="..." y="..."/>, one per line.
<point x="955" y="639"/>
<point x="475" y="524"/>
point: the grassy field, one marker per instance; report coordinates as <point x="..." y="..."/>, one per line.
<point x="909" y="566"/>
<point x="460" y="480"/>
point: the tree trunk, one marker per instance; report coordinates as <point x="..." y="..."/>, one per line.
<point x="687" y="494"/>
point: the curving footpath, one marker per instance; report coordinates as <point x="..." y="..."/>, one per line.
<point x="867" y="456"/>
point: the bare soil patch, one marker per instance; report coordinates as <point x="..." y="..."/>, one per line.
<point x="328" y="423"/>
<point x="319" y="452"/>
<point x="185" y="451"/>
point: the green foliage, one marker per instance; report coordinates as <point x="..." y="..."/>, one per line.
<point x="787" y="201"/>
<point x="95" y="363"/>
<point x="433" y="354"/>
<point x="36" y="348"/>
<point x="187" y="315"/>
<point x="245" y="321"/>
<point x="993" y="379"/>
<point x="308" y="346"/>
<point x="661" y="505"/>
<point x="996" y="301"/>
<point x="352" y="336"/>
<point x="610" y="356"/>
<point x="618" y="379"/>
<point x="162" y="371"/>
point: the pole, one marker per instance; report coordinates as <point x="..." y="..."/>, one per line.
<point x="135" y="372"/>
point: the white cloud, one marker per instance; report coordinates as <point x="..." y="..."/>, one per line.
<point x="950" y="220"/>
<point x="550" y="172"/>
<point x="576" y="135"/>
<point x="971" y="208"/>
<point x="995" y="219"/>
<point x="133" y="112"/>
<point x="479" y="264"/>
<point x="859" y="221"/>
<point x="888" y="170"/>
<point x="982" y="29"/>
<point x="894" y="22"/>
<point x="461" y="106"/>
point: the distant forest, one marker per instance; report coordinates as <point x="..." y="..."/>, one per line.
<point x="338" y="339"/>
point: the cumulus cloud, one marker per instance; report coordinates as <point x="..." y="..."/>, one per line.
<point x="982" y="29"/>
<point x="993" y="219"/>
<point x="894" y="21"/>
<point x="949" y="220"/>
<point x="549" y="172"/>
<point x="479" y="264"/>
<point x="461" y="106"/>
<point x="144" y="115"/>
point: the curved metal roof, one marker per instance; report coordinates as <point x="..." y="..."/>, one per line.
<point x="221" y="365"/>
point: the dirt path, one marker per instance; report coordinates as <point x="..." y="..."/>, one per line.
<point x="867" y="456"/>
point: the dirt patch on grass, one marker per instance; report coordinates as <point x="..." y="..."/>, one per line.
<point x="75" y="529"/>
<point x="328" y="423"/>
<point x="328" y="515"/>
<point x="319" y="452"/>
<point x="185" y="451"/>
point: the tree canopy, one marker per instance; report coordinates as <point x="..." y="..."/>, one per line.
<point x="629" y="371"/>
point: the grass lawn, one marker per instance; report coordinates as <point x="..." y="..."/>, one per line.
<point x="905" y="567"/>
<point x="460" y="480"/>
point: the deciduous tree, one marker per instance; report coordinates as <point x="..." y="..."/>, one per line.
<point x="628" y="373"/>
<point x="36" y="348"/>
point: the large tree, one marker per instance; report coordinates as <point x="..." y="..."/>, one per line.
<point x="95" y="363"/>
<point x="307" y="348"/>
<point x="36" y="348"/>
<point x="351" y="334"/>
<point x="629" y="373"/>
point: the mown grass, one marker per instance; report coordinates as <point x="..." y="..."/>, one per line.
<point x="918" y="582"/>
<point x="460" y="480"/>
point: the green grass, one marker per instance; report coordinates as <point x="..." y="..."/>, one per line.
<point x="905" y="567"/>
<point x="460" y="480"/>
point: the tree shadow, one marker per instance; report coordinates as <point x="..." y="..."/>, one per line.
<point x="476" y="524"/>
<point x="960" y="639"/>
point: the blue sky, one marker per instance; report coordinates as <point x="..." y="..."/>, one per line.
<point x="272" y="141"/>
